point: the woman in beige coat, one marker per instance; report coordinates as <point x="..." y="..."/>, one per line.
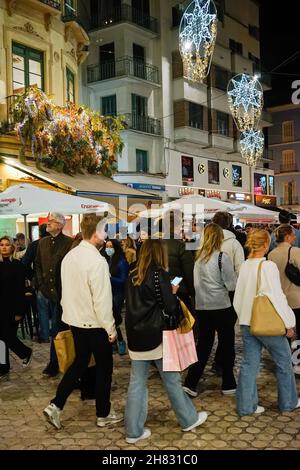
<point x="286" y="237"/>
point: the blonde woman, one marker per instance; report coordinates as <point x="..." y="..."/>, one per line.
<point x="128" y="247"/>
<point x="143" y="323"/>
<point x="214" y="278"/>
<point x="258" y="243"/>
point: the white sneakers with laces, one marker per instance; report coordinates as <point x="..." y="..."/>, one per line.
<point x="112" y="418"/>
<point x="202" y="417"/>
<point x="52" y="413"/>
<point x="145" y="435"/>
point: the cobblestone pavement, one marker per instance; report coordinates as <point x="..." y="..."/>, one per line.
<point x="24" y="395"/>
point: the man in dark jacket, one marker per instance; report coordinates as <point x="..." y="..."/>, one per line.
<point x="50" y="253"/>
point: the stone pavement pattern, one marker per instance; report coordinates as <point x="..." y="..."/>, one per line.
<point x="26" y="393"/>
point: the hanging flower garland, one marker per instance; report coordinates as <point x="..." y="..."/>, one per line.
<point x="71" y="138"/>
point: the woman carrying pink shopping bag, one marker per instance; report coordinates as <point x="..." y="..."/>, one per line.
<point x="150" y="304"/>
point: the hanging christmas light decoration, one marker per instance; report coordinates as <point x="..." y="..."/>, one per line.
<point x="197" y="37"/>
<point x="245" y="98"/>
<point x="252" y="146"/>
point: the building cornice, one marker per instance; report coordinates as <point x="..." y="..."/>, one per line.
<point x="283" y="107"/>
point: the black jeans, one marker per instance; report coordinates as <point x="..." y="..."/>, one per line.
<point x="209" y="322"/>
<point x="8" y="334"/>
<point x="89" y="341"/>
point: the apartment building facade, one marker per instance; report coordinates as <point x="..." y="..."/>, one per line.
<point x="42" y="43"/>
<point x="181" y="138"/>
<point x="284" y="140"/>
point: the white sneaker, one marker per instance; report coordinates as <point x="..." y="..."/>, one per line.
<point x="297" y="370"/>
<point x="112" y="418"/>
<point x="145" y="435"/>
<point x="229" y="392"/>
<point x="202" y="417"/>
<point x="298" y="404"/>
<point x="294" y="345"/>
<point x="190" y="392"/>
<point x="52" y="413"/>
<point x="259" y="409"/>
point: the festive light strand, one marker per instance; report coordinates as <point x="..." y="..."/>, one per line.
<point x="197" y="37"/>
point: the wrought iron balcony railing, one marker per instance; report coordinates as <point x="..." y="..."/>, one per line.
<point x="123" y="67"/>
<point x="8" y="122"/>
<point x="143" y="124"/>
<point x="52" y="3"/>
<point x="128" y="14"/>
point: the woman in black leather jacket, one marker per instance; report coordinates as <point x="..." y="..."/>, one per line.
<point x="144" y="325"/>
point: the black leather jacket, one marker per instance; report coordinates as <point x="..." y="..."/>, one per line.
<point x="143" y="320"/>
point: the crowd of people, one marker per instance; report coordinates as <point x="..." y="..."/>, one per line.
<point x="87" y="283"/>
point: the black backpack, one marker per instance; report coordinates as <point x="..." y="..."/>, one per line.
<point x="291" y="271"/>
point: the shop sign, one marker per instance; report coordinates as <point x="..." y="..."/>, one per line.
<point x="239" y="197"/>
<point x="265" y="201"/>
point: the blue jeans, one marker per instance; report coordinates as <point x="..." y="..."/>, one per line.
<point x="137" y="399"/>
<point x="278" y="347"/>
<point x="46" y="309"/>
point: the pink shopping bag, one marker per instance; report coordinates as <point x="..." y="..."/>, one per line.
<point x="179" y="350"/>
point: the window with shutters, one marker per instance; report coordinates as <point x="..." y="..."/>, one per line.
<point x="70" y="86"/>
<point x="141" y="161"/>
<point x="27" y="68"/>
<point x="222" y="123"/>
<point x="288" y="131"/>
<point x="109" y="105"/>
<point x="288" y="160"/>
<point x="195" y="115"/>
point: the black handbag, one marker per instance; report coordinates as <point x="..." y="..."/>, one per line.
<point x="170" y="322"/>
<point x="291" y="271"/>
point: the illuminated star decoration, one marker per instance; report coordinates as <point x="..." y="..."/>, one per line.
<point x="197" y="36"/>
<point x="246" y="93"/>
<point x="252" y="145"/>
<point x="197" y="29"/>
<point x="245" y="98"/>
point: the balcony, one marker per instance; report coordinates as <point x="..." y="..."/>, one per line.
<point x="287" y="168"/>
<point x="268" y="155"/>
<point x="52" y="3"/>
<point x="7" y="114"/>
<point x="188" y="136"/>
<point x="143" y="124"/>
<point x="78" y="21"/>
<point x="125" y="13"/>
<point x="293" y="201"/>
<point x="126" y="66"/>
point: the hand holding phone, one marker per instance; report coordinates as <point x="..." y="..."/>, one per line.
<point x="176" y="281"/>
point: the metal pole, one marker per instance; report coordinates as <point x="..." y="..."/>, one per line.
<point x="25" y="228"/>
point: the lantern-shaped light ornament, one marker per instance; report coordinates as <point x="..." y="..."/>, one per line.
<point x="252" y="146"/>
<point x="246" y="100"/>
<point x="197" y="37"/>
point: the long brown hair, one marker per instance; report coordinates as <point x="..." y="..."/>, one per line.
<point x="152" y="251"/>
<point x="212" y="241"/>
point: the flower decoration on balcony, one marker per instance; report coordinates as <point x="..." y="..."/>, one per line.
<point x="197" y="37"/>
<point x="245" y="98"/>
<point x="252" y="146"/>
<point x="71" y="138"/>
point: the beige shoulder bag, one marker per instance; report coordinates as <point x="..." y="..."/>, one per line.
<point x="265" y="320"/>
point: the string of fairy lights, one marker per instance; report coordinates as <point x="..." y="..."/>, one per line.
<point x="197" y="38"/>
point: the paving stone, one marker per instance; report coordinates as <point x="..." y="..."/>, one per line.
<point x="27" y="392"/>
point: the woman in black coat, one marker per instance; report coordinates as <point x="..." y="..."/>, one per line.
<point x="149" y="291"/>
<point x="12" y="295"/>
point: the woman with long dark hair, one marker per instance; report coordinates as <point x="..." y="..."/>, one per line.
<point x="13" y="307"/>
<point x="144" y="335"/>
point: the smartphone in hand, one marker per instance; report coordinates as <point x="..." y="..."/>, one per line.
<point x="176" y="281"/>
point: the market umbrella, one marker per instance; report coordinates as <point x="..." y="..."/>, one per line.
<point x="27" y="199"/>
<point x="201" y="205"/>
<point x="256" y="214"/>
